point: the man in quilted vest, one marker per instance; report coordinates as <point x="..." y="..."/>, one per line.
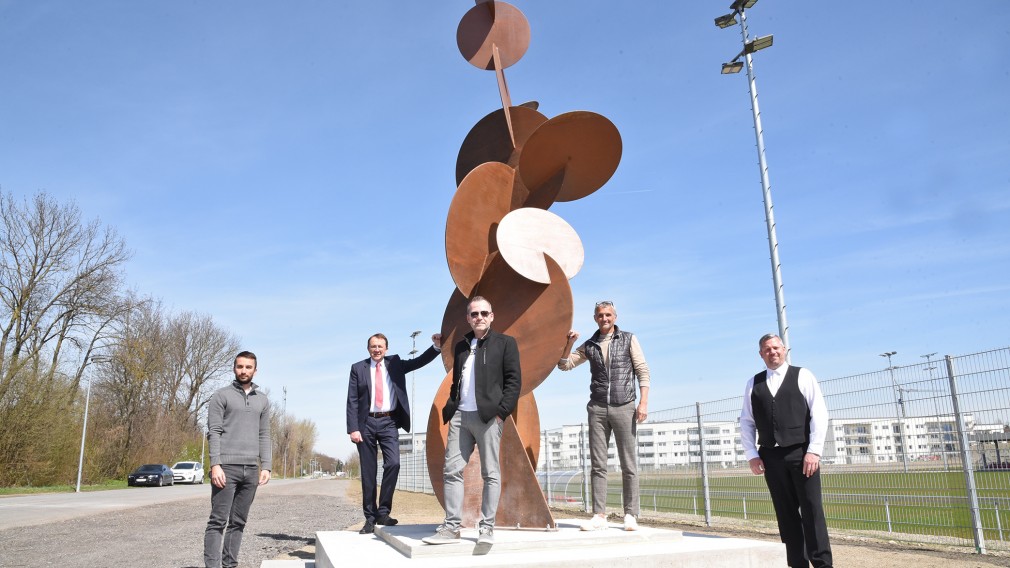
<point x="615" y="361"/>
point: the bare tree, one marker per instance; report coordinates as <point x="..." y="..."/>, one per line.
<point x="59" y="279"/>
<point x="59" y="285"/>
<point x="199" y="355"/>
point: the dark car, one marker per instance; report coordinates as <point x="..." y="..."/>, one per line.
<point x="151" y="474"/>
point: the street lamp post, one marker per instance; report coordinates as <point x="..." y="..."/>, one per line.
<point x="739" y="7"/>
<point x="84" y="433"/>
<point x="413" y="427"/>
<point x="84" y="427"/>
<point x="898" y="402"/>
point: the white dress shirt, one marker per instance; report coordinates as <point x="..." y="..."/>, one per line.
<point x="810" y="390"/>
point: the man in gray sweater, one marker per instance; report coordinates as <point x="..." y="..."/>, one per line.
<point x="238" y="432"/>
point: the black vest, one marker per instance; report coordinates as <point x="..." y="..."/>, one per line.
<point x="783" y="419"/>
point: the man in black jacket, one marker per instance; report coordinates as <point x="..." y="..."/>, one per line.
<point x="486" y="379"/>
<point x="377" y="407"/>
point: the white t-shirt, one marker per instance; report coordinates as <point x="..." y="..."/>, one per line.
<point x="467" y="399"/>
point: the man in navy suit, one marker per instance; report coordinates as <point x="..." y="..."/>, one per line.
<point x="377" y="407"/>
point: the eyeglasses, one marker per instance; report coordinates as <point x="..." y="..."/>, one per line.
<point x="482" y="313"/>
<point x="604" y="303"/>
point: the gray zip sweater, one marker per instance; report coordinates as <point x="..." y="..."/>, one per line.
<point x="238" y="427"/>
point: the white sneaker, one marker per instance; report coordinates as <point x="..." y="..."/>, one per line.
<point x="597" y="523"/>
<point x="630" y="524"/>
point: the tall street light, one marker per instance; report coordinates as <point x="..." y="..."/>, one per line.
<point x="84" y="427"/>
<point x="898" y="414"/>
<point x="413" y="427"/>
<point x="739" y="8"/>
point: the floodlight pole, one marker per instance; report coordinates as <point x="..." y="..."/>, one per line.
<point x="413" y="427"/>
<point x="773" y="243"/>
<point x="899" y="409"/>
<point x="740" y="7"/>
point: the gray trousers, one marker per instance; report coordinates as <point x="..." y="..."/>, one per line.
<point x="604" y="419"/>
<point x="229" y="506"/>
<point x="466" y="430"/>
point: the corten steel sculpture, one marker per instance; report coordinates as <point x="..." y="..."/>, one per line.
<point x="503" y="244"/>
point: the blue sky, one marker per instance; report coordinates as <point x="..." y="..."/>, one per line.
<point x="287" y="169"/>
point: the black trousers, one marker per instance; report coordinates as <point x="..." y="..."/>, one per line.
<point x="379" y="433"/>
<point x="798" y="508"/>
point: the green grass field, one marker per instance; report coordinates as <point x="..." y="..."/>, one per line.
<point x="930" y="503"/>
<point x="23" y="490"/>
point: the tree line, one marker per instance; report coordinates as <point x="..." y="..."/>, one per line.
<point x="74" y="340"/>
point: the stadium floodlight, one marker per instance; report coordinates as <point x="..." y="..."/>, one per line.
<point x="758" y="44"/>
<point x="734" y="67"/>
<point x="726" y="21"/>
<point x="739" y="5"/>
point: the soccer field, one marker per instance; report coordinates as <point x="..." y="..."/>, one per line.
<point x="927" y="503"/>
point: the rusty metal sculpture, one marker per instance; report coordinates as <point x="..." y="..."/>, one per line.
<point x="503" y="244"/>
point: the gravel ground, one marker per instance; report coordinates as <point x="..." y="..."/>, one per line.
<point x="285" y="518"/>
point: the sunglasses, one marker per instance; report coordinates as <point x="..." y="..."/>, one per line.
<point x="604" y="303"/>
<point x="482" y="313"/>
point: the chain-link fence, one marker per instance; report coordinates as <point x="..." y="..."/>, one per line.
<point x="918" y="453"/>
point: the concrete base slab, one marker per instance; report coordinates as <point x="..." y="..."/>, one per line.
<point x="565" y="547"/>
<point x="407" y="539"/>
<point x="288" y="564"/>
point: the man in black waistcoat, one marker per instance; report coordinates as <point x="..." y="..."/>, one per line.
<point x="784" y="411"/>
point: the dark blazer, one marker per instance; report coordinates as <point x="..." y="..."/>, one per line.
<point x="497" y="375"/>
<point x="359" y="389"/>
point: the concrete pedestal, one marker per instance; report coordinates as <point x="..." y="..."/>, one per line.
<point x="566" y="547"/>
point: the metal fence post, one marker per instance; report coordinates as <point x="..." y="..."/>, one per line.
<point x="704" y="467"/>
<point x="966" y="462"/>
<point x="547" y="467"/>
<point x="585" y="468"/>
<point x="887" y="514"/>
<point x="999" y="524"/>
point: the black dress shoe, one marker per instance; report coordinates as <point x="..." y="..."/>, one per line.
<point x="369" y="528"/>
<point x="387" y="520"/>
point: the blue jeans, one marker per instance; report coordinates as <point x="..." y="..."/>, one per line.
<point x="229" y="506"/>
<point x="467" y="430"/>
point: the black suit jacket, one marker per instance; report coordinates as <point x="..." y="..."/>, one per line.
<point x="359" y="389"/>
<point x="497" y="375"/>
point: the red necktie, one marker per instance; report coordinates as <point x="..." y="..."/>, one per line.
<point x="378" y="387"/>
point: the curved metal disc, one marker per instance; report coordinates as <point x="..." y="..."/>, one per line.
<point x="435" y="439"/>
<point x="586" y="145"/>
<point x="528" y="424"/>
<point x="492" y="24"/>
<point x="538" y="315"/>
<point x="526" y="235"/>
<point x="489" y="141"/>
<point x="482" y="199"/>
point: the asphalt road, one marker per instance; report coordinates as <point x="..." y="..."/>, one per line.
<point x="37" y="509"/>
<point x="163" y="527"/>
